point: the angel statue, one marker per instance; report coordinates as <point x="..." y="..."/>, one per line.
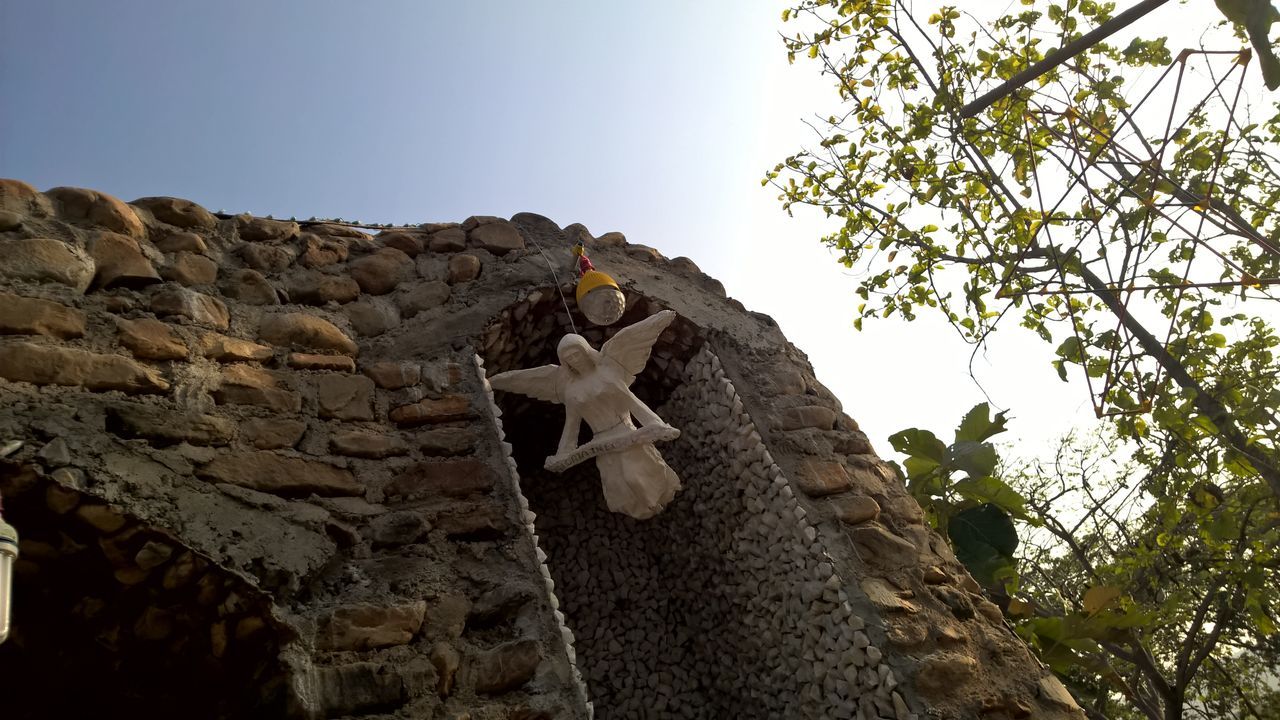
<point x="595" y="386"/>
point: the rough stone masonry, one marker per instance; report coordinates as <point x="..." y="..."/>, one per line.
<point x="264" y="476"/>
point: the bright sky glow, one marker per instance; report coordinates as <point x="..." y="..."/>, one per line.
<point x="656" y="118"/>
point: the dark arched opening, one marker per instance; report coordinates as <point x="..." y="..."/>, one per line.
<point x="114" y="618"/>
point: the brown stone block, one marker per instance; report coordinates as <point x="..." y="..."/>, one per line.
<point x="248" y="627"/>
<point x="905" y="509"/>
<point x="644" y="252"/>
<point x="152" y="555"/>
<point x="381" y="272"/>
<point x="808" y="416"/>
<point x="394" y="375"/>
<point x="197" y="307"/>
<point x="451" y="478"/>
<point x="228" y="349"/>
<point x="309" y="287"/>
<point x="302" y="331"/>
<point x="821" y="477"/>
<point x="363" y="444"/>
<point x="272" y="433"/>
<point x="345" y="397"/>
<point x="182" y="241"/>
<point x="46" y="260"/>
<point x="101" y="517"/>
<point x="45" y="365"/>
<point x="166" y="425"/>
<point x="280" y="475"/>
<point x="423" y="296"/>
<point x="866" y="475"/>
<point x="366" y="627"/>
<point x="499" y="605"/>
<point x="447" y="616"/>
<point x="425" y="412"/>
<point x="321" y="252"/>
<point x="119" y="262"/>
<point x="178" y="212"/>
<point x="250" y="287"/>
<point x="463" y="267"/>
<point x="182" y="571"/>
<point x="61" y="500"/>
<point x="451" y="239"/>
<point x="358" y="689"/>
<point x="942" y="673"/>
<point x="476" y="221"/>
<point x="855" y="509"/>
<point x="499" y="238"/>
<point x="256" y="229"/>
<point x="886" y="597"/>
<point x="244" y="385"/>
<point x="338" y="230"/>
<point x="410" y="244"/>
<point x="19" y="197"/>
<point x="95" y="208"/>
<point x="882" y="548"/>
<point x="505" y="667"/>
<point x="32" y="316"/>
<point x="686" y="266"/>
<point x="308" y="361"/>
<point x="151" y="339"/>
<point x="467" y="520"/>
<point x="445" y="660"/>
<point x="611" y="239"/>
<point x="189" y="268"/>
<point x="372" y="317"/>
<point x="397" y="528"/>
<point x="851" y="442"/>
<point x="787" y="379"/>
<point x="447" y="441"/>
<point x="268" y="258"/>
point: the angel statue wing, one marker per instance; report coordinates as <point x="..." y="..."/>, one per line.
<point x="630" y="348"/>
<point x="541" y="383"/>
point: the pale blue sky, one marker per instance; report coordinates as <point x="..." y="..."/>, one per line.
<point x="604" y="113"/>
<point x="654" y="118"/>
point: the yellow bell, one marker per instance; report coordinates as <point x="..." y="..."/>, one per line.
<point x="600" y="298"/>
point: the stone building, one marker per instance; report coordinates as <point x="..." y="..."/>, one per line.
<point x="264" y="475"/>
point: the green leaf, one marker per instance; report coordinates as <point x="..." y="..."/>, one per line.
<point x="1071" y="350"/>
<point x="984" y="539"/>
<point x="1253" y="603"/>
<point x="995" y="491"/>
<point x="1099" y="598"/>
<point x="977" y="459"/>
<point x="918" y="467"/>
<point x="919" y="443"/>
<point x="1061" y="367"/>
<point x="979" y="425"/>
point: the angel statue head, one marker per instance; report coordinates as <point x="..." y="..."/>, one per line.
<point x="595" y="386"/>
<point x="576" y="354"/>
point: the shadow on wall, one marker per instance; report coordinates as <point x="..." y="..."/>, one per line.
<point x="667" y="613"/>
<point x="120" y="620"/>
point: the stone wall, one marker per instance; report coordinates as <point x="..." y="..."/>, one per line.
<point x="724" y="605"/>
<point x="261" y="467"/>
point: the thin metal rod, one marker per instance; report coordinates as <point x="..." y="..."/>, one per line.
<point x="1061" y="55"/>
<point x="551" y="266"/>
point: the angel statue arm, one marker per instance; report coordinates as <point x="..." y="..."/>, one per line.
<point x="569" y="437"/>
<point x="594" y="386"/>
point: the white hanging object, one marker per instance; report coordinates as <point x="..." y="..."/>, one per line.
<point x="595" y="386"/>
